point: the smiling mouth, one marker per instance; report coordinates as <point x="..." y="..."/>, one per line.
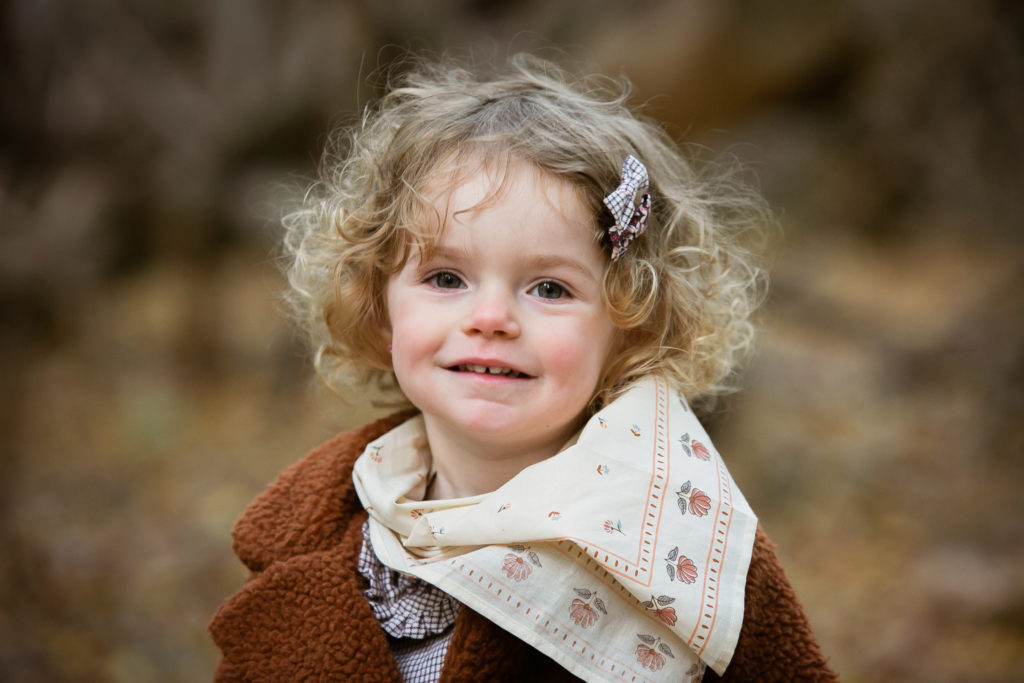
<point x="489" y="370"/>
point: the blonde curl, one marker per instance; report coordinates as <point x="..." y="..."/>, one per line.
<point x="683" y="294"/>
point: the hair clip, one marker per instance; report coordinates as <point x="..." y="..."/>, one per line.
<point x="630" y="216"/>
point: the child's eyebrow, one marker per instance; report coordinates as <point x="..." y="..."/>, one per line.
<point x="559" y="260"/>
<point x="441" y="253"/>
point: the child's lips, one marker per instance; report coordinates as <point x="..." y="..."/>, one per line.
<point x="489" y="369"/>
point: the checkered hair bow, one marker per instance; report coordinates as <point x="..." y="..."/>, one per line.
<point x="630" y="216"/>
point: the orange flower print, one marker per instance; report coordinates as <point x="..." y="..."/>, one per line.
<point x="696" y="500"/>
<point x="582" y="613"/>
<point x="667" y="615"/>
<point x="680" y="567"/>
<point x="659" y="605"/>
<point x="700" y="450"/>
<point x="648" y="658"/>
<point x="375" y="453"/>
<point x="584" y="609"/>
<point x="700" y="503"/>
<point x="610" y="526"/>
<point x="686" y="570"/>
<point x="515" y="566"/>
<point x="416" y="513"/>
<point x="650" y="653"/>
<point x="692" y="448"/>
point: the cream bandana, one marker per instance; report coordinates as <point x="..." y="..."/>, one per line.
<point x="623" y="557"/>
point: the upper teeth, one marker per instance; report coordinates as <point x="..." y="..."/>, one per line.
<point x="494" y="370"/>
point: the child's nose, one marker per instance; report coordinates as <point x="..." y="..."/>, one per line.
<point x="492" y="314"/>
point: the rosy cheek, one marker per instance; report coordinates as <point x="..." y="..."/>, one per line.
<point x="569" y="355"/>
<point x="404" y="319"/>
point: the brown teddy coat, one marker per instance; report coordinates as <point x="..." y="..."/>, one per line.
<point x="302" y="614"/>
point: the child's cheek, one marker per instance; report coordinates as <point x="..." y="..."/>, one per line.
<point x="569" y="356"/>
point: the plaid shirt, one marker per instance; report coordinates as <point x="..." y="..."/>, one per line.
<point x="416" y="616"/>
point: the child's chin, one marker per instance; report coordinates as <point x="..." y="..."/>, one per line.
<point x="510" y="431"/>
<point x="492" y="426"/>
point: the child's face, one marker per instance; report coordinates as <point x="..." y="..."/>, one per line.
<point x="514" y="287"/>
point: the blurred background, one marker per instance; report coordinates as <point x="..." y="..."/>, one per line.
<point x="152" y="384"/>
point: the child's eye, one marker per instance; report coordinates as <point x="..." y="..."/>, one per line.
<point x="445" y="280"/>
<point x="549" y="290"/>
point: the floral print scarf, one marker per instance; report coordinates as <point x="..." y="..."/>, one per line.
<point x="623" y="557"/>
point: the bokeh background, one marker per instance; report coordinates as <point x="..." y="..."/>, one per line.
<point x="152" y="384"/>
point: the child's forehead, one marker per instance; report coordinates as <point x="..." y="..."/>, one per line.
<point x="475" y="182"/>
<point x="484" y="183"/>
<point x="458" y="194"/>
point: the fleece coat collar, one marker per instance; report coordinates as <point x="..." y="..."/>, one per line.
<point x="303" y="615"/>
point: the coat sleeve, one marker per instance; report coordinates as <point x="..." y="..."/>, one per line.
<point x="776" y="642"/>
<point x="302" y="611"/>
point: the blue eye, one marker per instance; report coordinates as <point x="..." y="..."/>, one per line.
<point x="549" y="290"/>
<point x="445" y="280"/>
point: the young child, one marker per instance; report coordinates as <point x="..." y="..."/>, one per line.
<point x="548" y="283"/>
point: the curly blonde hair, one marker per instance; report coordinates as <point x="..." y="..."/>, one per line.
<point x="683" y="293"/>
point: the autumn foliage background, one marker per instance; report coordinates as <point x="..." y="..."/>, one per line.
<point x="152" y="384"/>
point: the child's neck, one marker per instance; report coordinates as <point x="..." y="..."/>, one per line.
<point x="466" y="467"/>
